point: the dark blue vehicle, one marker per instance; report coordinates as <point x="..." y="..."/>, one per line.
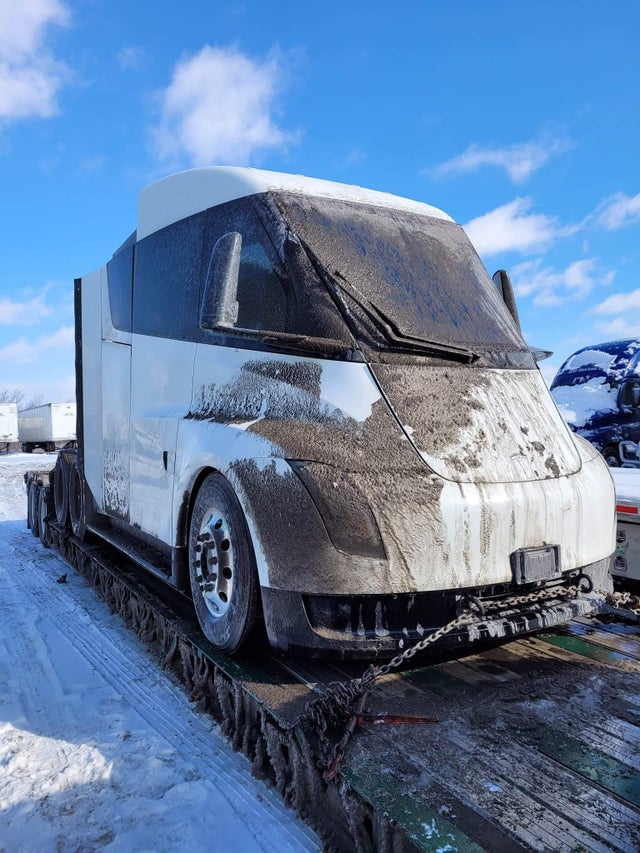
<point x="597" y="390"/>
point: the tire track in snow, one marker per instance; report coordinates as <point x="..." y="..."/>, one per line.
<point x="127" y="667"/>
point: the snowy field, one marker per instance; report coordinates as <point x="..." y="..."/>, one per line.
<point x="99" y="748"/>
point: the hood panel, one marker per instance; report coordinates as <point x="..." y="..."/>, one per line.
<point x="480" y="426"/>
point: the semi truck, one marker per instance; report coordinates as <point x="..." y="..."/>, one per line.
<point x="8" y="425"/>
<point x="597" y="390"/>
<point x="307" y="407"/>
<point x="308" y="421"/>
<point x="48" y="426"/>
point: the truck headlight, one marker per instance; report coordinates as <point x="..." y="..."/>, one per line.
<point x="345" y="512"/>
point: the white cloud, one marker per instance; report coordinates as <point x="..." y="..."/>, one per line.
<point x="219" y="108"/>
<point x="617" y="211"/>
<point x="30" y="76"/>
<point x="621" y="327"/>
<point x="551" y="288"/>
<point x="619" y="303"/>
<point x="25" y="351"/>
<point x="512" y="228"/>
<point x="23" y="313"/>
<point x="518" y="161"/>
<point x="62" y="389"/>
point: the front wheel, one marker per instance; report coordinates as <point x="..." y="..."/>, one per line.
<point x="222" y="567"/>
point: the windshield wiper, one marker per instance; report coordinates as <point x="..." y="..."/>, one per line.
<point x="397" y="341"/>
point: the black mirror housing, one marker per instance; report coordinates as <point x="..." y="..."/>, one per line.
<point x="502" y="280"/>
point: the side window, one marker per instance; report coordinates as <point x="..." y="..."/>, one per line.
<point x="262" y="302"/>
<point x="168" y="279"/>
<point x="120" y="279"/>
<point x="263" y="292"/>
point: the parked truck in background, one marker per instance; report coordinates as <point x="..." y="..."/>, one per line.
<point x="48" y="426"/>
<point x="597" y="390"/>
<point x="8" y="425"/>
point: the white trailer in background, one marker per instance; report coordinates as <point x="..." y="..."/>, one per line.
<point x="47" y="426"/>
<point x="627" y="561"/>
<point x="8" y="425"/>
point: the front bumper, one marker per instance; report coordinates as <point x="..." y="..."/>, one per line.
<point x="373" y="626"/>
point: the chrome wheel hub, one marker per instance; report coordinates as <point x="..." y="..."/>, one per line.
<point x="214" y="563"/>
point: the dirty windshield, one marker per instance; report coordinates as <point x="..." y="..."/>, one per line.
<point x="419" y="276"/>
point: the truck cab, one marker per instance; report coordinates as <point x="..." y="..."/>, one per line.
<point x="314" y="406"/>
<point x="597" y="390"/>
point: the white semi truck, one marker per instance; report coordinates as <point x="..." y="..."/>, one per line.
<point x="309" y="407"/>
<point x="8" y="425"/>
<point x="48" y="426"/>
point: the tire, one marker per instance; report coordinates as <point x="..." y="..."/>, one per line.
<point x="611" y="456"/>
<point x="32" y="508"/>
<point x="44" y="510"/>
<point x="61" y="490"/>
<point x="29" y="507"/>
<point x="222" y="568"/>
<point x="77" y="513"/>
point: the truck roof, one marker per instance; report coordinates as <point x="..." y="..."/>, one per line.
<point x="185" y="193"/>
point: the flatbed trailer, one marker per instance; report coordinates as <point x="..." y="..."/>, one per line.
<point x="531" y="745"/>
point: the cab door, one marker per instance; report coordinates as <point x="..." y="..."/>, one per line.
<point x="116" y="383"/>
<point x="167" y="282"/>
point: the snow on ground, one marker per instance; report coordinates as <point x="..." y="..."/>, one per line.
<point x="100" y="749"/>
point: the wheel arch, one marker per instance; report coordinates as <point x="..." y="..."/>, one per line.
<point x="185" y="512"/>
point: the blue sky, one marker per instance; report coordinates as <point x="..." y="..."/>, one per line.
<point x="519" y="119"/>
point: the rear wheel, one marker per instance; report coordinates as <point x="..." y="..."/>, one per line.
<point x="33" y="520"/>
<point x="77" y="513"/>
<point x="222" y="567"/>
<point x="61" y="490"/>
<point x="44" y="508"/>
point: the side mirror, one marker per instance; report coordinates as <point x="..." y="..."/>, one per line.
<point x="219" y="307"/>
<point x="540" y="354"/>
<point x="629" y="394"/>
<point x="502" y="281"/>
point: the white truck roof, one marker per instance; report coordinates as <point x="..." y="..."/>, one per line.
<point x="185" y="193"/>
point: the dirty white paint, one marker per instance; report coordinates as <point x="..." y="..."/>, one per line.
<point x="481" y="425"/>
<point x="161" y="391"/>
